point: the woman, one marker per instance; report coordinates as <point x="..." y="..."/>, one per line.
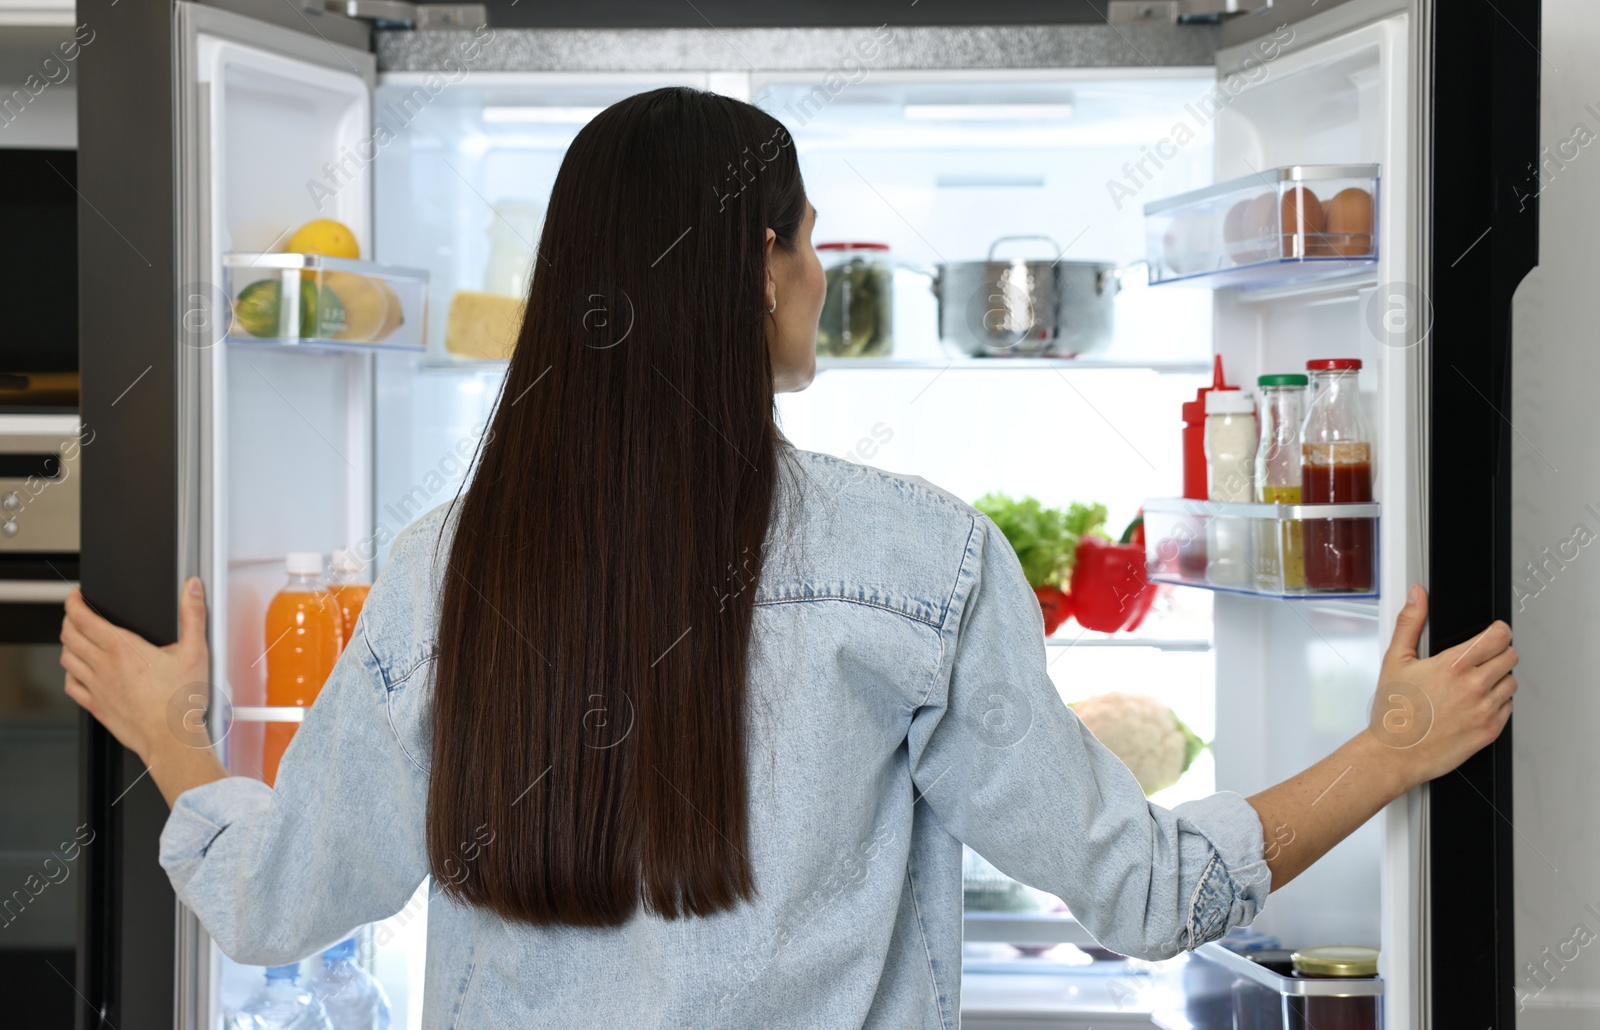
<point x="687" y="725"/>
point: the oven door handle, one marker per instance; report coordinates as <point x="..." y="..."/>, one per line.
<point x="35" y="591"/>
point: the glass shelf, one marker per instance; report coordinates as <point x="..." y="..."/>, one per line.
<point x="342" y="305"/>
<point x="1012" y="364"/>
<point x="935" y="364"/>
<point x="1293" y="225"/>
<point x="1246" y="993"/>
<point x="1063" y="639"/>
<point x="268" y="713"/>
<point x="1292" y="552"/>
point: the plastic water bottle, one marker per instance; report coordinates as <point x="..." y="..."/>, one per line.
<point x="282" y="1004"/>
<point x="352" y="998"/>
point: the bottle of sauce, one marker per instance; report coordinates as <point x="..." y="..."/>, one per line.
<point x="1194" y="435"/>
<point x="1336" y="468"/>
<point x="1280" y="556"/>
<point x="304" y="635"/>
<point x="1231" y="456"/>
<point x="349" y="587"/>
<point x="1335" y="1011"/>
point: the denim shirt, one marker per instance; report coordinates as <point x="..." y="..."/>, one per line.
<point x="899" y="705"/>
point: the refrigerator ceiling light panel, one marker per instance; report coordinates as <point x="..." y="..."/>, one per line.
<point x="986" y="112"/>
<point x="556" y="115"/>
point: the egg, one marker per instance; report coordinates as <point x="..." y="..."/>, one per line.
<point x="1260" y="226"/>
<point x="1190" y="243"/>
<point x="1349" y="228"/>
<point x="1303" y="223"/>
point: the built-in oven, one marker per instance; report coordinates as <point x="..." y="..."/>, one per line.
<point x="41" y="841"/>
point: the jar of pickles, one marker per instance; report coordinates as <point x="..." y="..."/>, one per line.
<point x="858" y="309"/>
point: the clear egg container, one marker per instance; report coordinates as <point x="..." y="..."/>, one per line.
<point x="1284" y="224"/>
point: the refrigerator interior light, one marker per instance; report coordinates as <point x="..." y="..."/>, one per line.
<point x="541" y="113"/>
<point x="987" y="112"/>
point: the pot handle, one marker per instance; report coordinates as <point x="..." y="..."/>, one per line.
<point x="1027" y="236"/>
<point x="1113" y="276"/>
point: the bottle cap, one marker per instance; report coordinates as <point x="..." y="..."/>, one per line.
<point x="289" y="972"/>
<point x="1333" y="365"/>
<point x="1229" y="402"/>
<point x="1292" y="379"/>
<point x="1337" y="960"/>
<point x="345" y="949"/>
<point x="851" y="246"/>
<point x="346" y="561"/>
<point x="303" y="563"/>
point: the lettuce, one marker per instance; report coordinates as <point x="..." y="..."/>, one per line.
<point x="1044" y="538"/>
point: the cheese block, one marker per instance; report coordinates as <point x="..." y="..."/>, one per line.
<point x="483" y="325"/>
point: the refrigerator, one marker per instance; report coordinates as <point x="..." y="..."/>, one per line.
<point x="209" y="132"/>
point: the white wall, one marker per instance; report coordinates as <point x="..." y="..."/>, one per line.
<point x="1555" y="475"/>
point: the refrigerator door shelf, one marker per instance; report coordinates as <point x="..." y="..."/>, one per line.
<point x="1017" y="364"/>
<point x="1264" y="1000"/>
<point x="1292" y="224"/>
<point x="340" y="305"/>
<point x="266" y="713"/>
<point x="1281" y="551"/>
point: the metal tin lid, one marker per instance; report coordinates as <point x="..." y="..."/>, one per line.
<point x="851" y="246"/>
<point x="1333" y="364"/>
<point x="1229" y="401"/>
<point x="1337" y="960"/>
<point x="1291" y="379"/>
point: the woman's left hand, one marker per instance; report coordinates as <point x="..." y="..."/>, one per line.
<point x="149" y="697"/>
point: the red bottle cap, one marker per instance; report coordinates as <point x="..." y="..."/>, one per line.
<point x="1333" y="364"/>
<point x="1195" y="410"/>
<point x="851" y="246"/>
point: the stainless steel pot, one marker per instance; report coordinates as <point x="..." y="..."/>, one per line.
<point x="1026" y="308"/>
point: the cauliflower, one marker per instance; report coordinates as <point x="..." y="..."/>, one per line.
<point x="1148" y="736"/>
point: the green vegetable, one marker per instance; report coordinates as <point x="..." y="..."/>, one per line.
<point x="1044" y="538"/>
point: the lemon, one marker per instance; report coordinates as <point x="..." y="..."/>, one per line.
<point x="324" y="236"/>
<point x="396" y="316"/>
<point x="257" y="309"/>
<point x="365" y="303"/>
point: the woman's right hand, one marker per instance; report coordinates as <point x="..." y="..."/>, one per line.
<point x="1437" y="712"/>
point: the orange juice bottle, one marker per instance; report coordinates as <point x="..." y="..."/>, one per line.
<point x="349" y="587"/>
<point x="303" y="641"/>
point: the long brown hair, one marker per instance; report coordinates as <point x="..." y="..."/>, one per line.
<point x="589" y="714"/>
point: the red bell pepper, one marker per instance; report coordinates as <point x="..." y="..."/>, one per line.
<point x="1055" y="605"/>
<point x="1109" y="589"/>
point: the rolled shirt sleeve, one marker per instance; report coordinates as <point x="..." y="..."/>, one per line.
<point x="1011" y="771"/>
<point x="276" y="873"/>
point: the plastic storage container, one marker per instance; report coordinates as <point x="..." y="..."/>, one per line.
<point x="1174" y="528"/>
<point x="1284" y="224"/>
<point x="339" y="303"/>
<point x="858" y="308"/>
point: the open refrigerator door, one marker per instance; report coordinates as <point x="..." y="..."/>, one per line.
<point x="1317" y="142"/>
<point x="276" y="132"/>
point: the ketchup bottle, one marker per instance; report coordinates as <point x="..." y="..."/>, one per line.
<point x="1336" y="468"/>
<point x="1195" y="486"/>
